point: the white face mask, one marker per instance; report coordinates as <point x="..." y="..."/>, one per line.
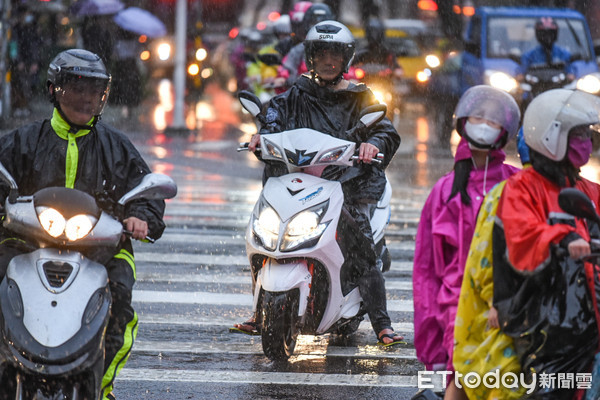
<point x="482" y="134"/>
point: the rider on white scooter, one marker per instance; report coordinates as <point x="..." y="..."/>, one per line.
<point x="74" y="150"/>
<point x="323" y="100"/>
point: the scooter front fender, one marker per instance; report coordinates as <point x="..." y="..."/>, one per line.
<point x="282" y="277"/>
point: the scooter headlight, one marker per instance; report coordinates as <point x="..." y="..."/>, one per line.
<point x="501" y="80"/>
<point x="272" y="150"/>
<point x="266" y="226"/>
<point x="79" y="226"/>
<point x="305" y="228"/>
<point x="333" y="155"/>
<point x="51" y="220"/>
<point x="589" y="83"/>
<point x="55" y="225"/>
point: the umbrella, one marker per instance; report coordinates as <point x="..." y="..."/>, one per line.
<point x="96" y="7"/>
<point x="141" y="22"/>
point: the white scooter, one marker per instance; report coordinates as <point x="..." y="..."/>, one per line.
<point x="55" y="301"/>
<point x="291" y="239"/>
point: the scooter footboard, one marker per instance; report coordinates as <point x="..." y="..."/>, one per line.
<point x="277" y="276"/>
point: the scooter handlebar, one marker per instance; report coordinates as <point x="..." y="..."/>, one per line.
<point x="147" y="239"/>
<point x="378" y="159"/>
<point x="244" y="147"/>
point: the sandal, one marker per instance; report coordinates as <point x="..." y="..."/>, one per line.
<point x="247" y="328"/>
<point x="396" y="339"/>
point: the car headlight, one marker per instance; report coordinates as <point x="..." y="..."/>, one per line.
<point x="266" y="226"/>
<point x="423" y="76"/>
<point x="74" y="228"/>
<point x="272" y="150"/>
<point x="305" y="228"/>
<point x="432" y="60"/>
<point x="501" y="80"/>
<point x="332" y="155"/>
<point x="164" y="51"/>
<point x="589" y="83"/>
<point x="379" y="94"/>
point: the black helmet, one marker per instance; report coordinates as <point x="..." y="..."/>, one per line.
<point x="546" y="31"/>
<point x="375" y="31"/>
<point x="75" y="64"/>
<point x="315" y="14"/>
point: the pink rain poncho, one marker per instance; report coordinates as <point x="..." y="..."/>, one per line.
<point x="443" y="239"/>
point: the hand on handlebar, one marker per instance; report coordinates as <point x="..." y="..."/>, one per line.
<point x="137" y="227"/>
<point x="579" y="248"/>
<point x="254" y="142"/>
<point x="367" y="152"/>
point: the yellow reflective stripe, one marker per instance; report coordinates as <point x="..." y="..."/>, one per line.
<point x="121" y="357"/>
<point x="12" y="239"/>
<point x="61" y="128"/>
<point x="127" y="256"/>
<point x="71" y="162"/>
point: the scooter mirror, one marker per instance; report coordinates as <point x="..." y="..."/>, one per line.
<point x="250" y="102"/>
<point x="575" y="202"/>
<point x="153" y="187"/>
<point x="14" y="189"/>
<point x="373" y="114"/>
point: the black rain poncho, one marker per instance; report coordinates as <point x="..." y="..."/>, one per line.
<point x="36" y="158"/>
<point x="307" y="105"/>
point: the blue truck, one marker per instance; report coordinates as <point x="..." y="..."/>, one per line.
<point x="495" y="39"/>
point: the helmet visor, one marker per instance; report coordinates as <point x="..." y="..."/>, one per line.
<point x="82" y="94"/>
<point x="490" y="104"/>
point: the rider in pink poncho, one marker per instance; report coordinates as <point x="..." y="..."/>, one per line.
<point x="486" y="118"/>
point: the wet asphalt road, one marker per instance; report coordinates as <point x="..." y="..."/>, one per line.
<point x="194" y="283"/>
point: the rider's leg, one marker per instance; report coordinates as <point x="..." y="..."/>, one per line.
<point x="123" y="321"/>
<point x="371" y="282"/>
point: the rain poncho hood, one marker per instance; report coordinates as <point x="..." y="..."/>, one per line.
<point x="442" y="244"/>
<point x="101" y="159"/>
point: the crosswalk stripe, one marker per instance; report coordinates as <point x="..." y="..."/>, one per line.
<point x="222" y="322"/>
<point x="267" y="378"/>
<point x="223" y="260"/>
<point x="229" y="299"/>
<point x="229" y="279"/>
<point x="255" y="348"/>
<point x="237" y="239"/>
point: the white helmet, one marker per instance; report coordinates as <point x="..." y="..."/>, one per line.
<point x="492" y="104"/>
<point x="550" y="117"/>
<point x="329" y="34"/>
<point x="283" y="25"/>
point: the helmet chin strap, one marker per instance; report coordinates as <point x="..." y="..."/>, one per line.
<point x="324" y="82"/>
<point x="74" y="128"/>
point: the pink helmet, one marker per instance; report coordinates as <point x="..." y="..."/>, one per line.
<point x="297" y="13"/>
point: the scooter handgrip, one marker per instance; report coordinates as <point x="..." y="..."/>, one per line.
<point x="243" y="146"/>
<point x="147" y="239"/>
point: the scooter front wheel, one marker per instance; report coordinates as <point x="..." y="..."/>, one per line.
<point x="280" y="324"/>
